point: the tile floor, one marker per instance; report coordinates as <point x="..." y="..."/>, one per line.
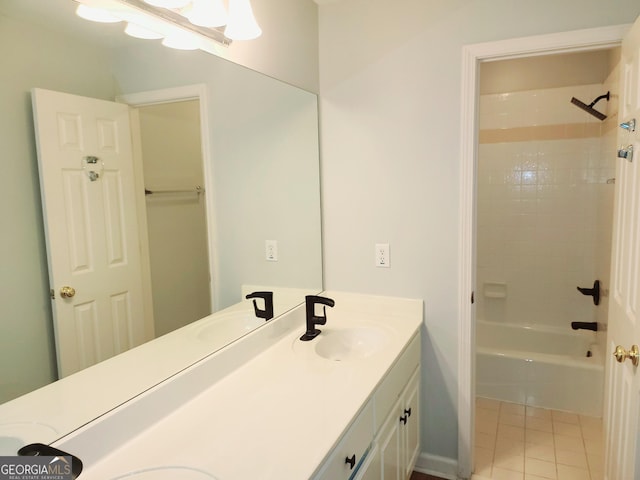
<point x="423" y="476"/>
<point x="516" y="442"/>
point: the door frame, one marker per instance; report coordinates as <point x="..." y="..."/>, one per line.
<point x="171" y="95"/>
<point x="472" y="55"/>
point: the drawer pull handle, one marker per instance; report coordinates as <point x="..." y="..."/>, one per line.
<point x="403" y="419"/>
<point x="351" y="461"/>
<point x="407" y="412"/>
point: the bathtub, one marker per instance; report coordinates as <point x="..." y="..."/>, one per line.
<point x="541" y="366"/>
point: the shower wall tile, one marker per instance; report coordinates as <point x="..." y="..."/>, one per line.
<point x="544" y="207"/>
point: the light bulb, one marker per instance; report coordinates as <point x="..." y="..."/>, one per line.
<point x="168" y="3"/>
<point x="141" y="32"/>
<point x="181" y="40"/>
<point x="207" y="13"/>
<point x="96" y="14"/>
<point x="242" y="24"/>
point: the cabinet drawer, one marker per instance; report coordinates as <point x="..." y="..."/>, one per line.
<point x="389" y="390"/>
<point x="355" y="441"/>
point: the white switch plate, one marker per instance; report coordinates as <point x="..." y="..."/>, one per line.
<point x="271" y="250"/>
<point x="382" y="255"/>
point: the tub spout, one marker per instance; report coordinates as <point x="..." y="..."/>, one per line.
<point x="585" y="326"/>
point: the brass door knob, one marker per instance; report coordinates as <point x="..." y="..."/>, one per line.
<point x="67" y="292"/>
<point x="621" y="354"/>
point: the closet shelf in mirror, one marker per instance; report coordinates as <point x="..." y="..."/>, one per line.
<point x="197" y="189"/>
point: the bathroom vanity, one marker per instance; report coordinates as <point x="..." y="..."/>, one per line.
<point x="269" y="406"/>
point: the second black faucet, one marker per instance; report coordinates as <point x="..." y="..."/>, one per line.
<point x="267" y="313"/>
<point x="313" y="319"/>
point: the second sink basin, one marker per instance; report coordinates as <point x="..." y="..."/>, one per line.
<point x="351" y="343"/>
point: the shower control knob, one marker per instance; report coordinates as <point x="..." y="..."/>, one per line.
<point x="626" y="152"/>
<point x="621" y="354"/>
<point x="630" y="126"/>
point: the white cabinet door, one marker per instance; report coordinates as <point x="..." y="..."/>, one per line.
<point x="411" y="431"/>
<point x="86" y="177"/>
<point x="390" y="444"/>
<point x="371" y="469"/>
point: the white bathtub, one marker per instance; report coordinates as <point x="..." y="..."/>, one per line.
<point x="540" y="366"/>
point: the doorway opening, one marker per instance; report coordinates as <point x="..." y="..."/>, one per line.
<point x="545" y="189"/>
<point x="596" y="39"/>
<point x="171" y="126"/>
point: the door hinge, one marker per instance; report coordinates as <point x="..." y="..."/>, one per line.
<point x="52" y="294"/>
<point x="472" y="298"/>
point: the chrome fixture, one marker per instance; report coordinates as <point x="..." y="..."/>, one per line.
<point x="626" y="152"/>
<point x="630" y="125"/>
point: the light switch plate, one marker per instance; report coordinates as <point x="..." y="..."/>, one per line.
<point x="271" y="250"/>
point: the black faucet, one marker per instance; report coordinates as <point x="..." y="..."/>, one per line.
<point x="585" y="326"/>
<point x="592" y="292"/>
<point x="312" y="319"/>
<point x="267" y="313"/>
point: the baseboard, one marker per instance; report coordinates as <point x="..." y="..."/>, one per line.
<point x="443" y="467"/>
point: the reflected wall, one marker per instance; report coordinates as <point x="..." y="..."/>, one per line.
<point x="36" y="56"/>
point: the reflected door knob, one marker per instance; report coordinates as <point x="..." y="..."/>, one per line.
<point x="621" y="354"/>
<point x="67" y="292"/>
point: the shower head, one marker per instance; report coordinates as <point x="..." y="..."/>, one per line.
<point x="589" y="108"/>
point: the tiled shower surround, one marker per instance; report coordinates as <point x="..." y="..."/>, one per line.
<point x="545" y="201"/>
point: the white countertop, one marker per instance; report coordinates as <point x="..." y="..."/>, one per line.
<point x="277" y="416"/>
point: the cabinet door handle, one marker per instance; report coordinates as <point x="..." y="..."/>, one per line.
<point x="351" y="461"/>
<point x="403" y="419"/>
<point x="407" y="412"/>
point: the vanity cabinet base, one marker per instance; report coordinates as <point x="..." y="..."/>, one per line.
<point x="393" y="414"/>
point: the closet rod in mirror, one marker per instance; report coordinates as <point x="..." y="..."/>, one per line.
<point x="198" y="189"/>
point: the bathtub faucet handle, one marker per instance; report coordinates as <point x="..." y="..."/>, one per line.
<point x="592" y="292"/>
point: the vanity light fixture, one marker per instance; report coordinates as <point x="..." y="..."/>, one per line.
<point x="183" y="24"/>
<point x="95" y="14"/>
<point x="180" y="40"/>
<point x="207" y="13"/>
<point x="242" y="23"/>
<point x="135" y="30"/>
<point x="168" y="3"/>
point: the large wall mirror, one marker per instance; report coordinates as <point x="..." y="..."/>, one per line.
<point x="259" y="181"/>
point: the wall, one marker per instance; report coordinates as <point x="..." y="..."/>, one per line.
<point x="542" y="197"/>
<point x="176" y="222"/>
<point x="37" y="55"/>
<point x="32" y="58"/>
<point x="605" y="200"/>
<point x="288" y="47"/>
<point x="390" y="122"/>
<point x="264" y="148"/>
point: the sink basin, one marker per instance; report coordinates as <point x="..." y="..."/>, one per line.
<point x="167" y="473"/>
<point x="229" y="325"/>
<point x="15" y="435"/>
<point x="351" y="343"/>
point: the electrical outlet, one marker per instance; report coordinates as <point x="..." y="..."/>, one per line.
<point x="382" y="255"/>
<point x="271" y="250"/>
